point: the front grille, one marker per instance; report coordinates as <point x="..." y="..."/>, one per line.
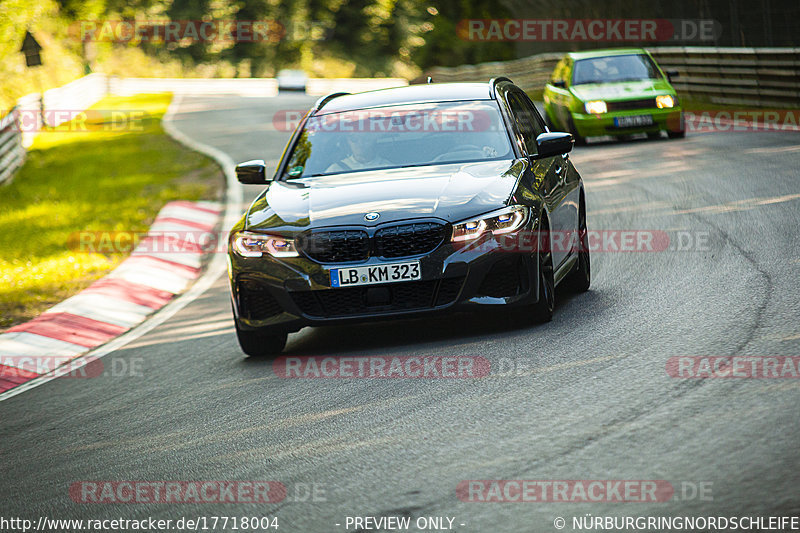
<point x="256" y="302"/>
<point x="409" y="239"/>
<point x="341" y="246"/>
<point x="348" y="246"/>
<point x="503" y="279"/>
<point x="405" y="296"/>
<point x="627" y="105"/>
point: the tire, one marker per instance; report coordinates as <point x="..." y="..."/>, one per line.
<point x="543" y="309"/>
<point x="653" y="135"/>
<point x="261" y="343"/>
<point x="579" y="139"/>
<point x="581" y="277"/>
<point x="680" y="133"/>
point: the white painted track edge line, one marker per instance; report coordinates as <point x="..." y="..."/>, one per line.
<point x="218" y="265"/>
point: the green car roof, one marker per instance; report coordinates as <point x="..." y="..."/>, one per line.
<point x="586" y="54"/>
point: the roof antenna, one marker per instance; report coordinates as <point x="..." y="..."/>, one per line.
<point x="430" y="80"/>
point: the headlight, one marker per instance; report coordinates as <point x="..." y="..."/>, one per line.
<point x="596" y="107"/>
<point x="499" y="222"/>
<point x="248" y="244"/>
<point x="664" y="101"/>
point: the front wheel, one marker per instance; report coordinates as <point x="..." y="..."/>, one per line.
<point x="543" y="309"/>
<point x="676" y="134"/>
<point x="580" y="278"/>
<point x="261" y="343"/>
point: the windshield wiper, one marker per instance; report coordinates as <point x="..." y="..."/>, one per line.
<point x="415" y="165"/>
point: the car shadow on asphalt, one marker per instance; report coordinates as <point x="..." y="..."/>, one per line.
<point x="464" y="327"/>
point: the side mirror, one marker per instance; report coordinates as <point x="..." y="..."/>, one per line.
<point x="671" y="74"/>
<point x="252" y="172"/>
<point x="550" y="144"/>
<point x="561" y="84"/>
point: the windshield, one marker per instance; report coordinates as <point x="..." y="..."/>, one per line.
<point x="399" y="136"/>
<point x="613" y="69"/>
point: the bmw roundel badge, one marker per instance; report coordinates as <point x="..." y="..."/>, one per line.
<point x="372" y="216"/>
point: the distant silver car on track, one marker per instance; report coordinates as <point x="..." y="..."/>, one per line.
<point x="291" y="80"/>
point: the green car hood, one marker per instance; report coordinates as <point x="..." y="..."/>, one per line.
<point x="626" y="90"/>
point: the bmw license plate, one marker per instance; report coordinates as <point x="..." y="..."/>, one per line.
<point x="372" y="274"/>
<point x="633" y="121"/>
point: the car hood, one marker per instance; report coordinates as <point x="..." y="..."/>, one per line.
<point x="626" y="90"/>
<point x="451" y="192"/>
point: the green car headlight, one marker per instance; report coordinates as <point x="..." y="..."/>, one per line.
<point x="664" y="101"/>
<point x="248" y="244"/>
<point x="596" y="107"/>
<point x="499" y="222"/>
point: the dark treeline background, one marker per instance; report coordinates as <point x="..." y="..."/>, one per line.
<point x="343" y="37"/>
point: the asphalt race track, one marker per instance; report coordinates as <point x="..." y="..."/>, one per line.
<point x="586" y="397"/>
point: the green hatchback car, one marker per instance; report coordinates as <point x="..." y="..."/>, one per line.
<point x="612" y="92"/>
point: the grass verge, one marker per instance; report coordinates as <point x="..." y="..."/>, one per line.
<point x="99" y="180"/>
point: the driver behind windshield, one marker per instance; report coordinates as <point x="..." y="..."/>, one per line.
<point x="364" y="154"/>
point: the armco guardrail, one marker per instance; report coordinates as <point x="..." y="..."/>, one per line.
<point x="12" y="153"/>
<point x="72" y="97"/>
<point x="530" y="73"/>
<point x="759" y="77"/>
<point x="76" y="96"/>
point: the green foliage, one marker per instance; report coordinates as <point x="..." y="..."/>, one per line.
<point x="323" y="37"/>
<point x="445" y="43"/>
<point x="88" y="181"/>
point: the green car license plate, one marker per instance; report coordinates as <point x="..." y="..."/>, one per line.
<point x="633" y="121"/>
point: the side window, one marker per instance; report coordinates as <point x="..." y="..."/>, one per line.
<point x="536" y="119"/>
<point x="526" y="118"/>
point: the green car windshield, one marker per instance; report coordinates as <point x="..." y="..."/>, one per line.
<point x="399" y="136"/>
<point x="612" y="69"/>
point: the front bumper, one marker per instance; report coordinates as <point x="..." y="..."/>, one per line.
<point x="589" y="125"/>
<point x="288" y="294"/>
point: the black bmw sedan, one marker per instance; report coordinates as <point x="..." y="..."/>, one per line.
<point x="407" y="201"/>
